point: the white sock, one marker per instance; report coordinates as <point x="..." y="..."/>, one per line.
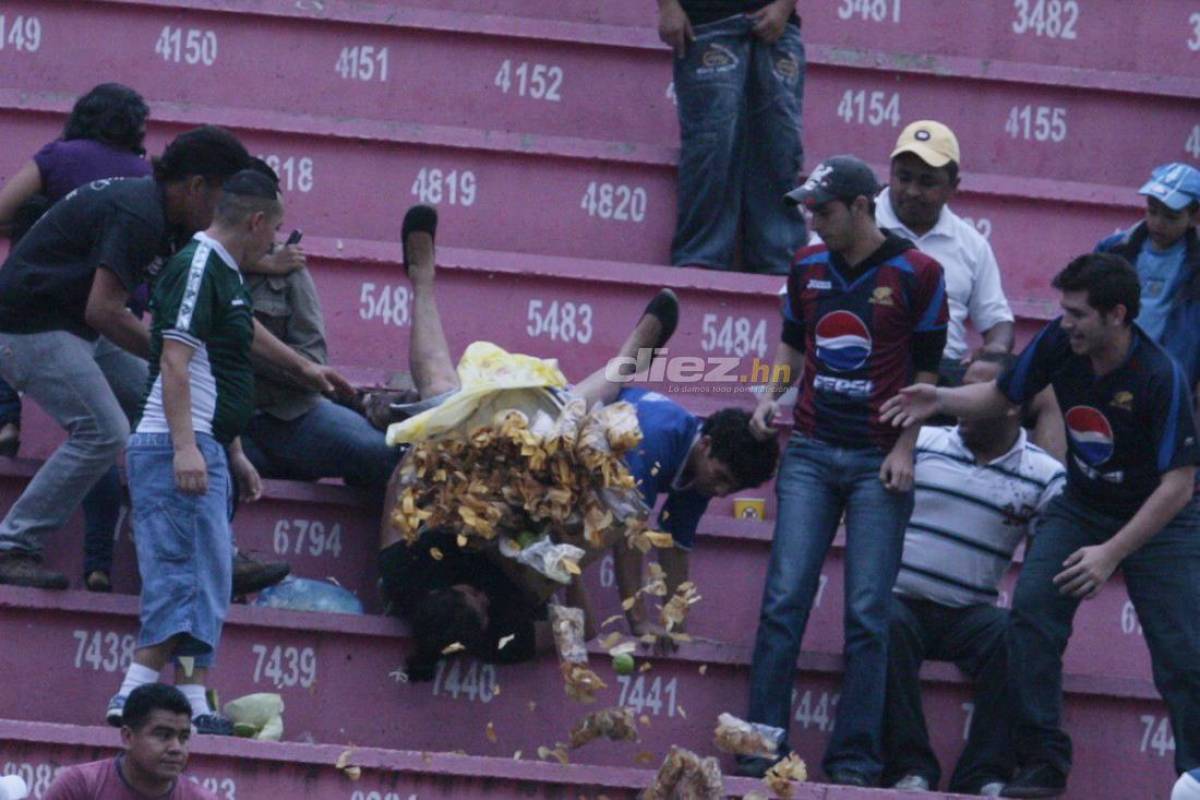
<point x="136" y="676"/>
<point x="194" y="692"/>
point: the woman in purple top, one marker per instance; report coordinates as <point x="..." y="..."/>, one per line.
<point x="102" y="139"/>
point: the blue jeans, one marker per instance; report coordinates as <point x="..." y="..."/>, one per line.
<point x="1163" y="579"/>
<point x="10" y="404"/>
<point x="331" y="441"/>
<point x="818" y="482"/>
<point x="184" y="546"/>
<point x="739" y="119"/>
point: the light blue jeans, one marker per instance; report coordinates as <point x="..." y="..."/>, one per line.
<point x="817" y="483"/>
<point x="740" y="151"/>
<point x="184" y="546"/>
<point x="90" y="389"/>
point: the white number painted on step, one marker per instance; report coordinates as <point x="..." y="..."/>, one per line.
<point x="190" y="46"/>
<point x="23" y="34"/>
<point x="559" y="322"/>
<point x="983" y="225"/>
<point x="538" y="81"/>
<point x="869" y="108"/>
<point x="656" y="696"/>
<point x="1129" y="619"/>
<point x="1054" y="19"/>
<point x="295" y="537"/>
<point x="674" y="98"/>
<point x="733" y="336"/>
<point x="295" y="172"/>
<point x="434" y="186"/>
<point x="1192" y="145"/>
<point x="284" y="667"/>
<point x="822" y="582"/>
<point x="469" y="679"/>
<point x="389" y="304"/>
<point x="361" y="795"/>
<point x="607" y="573"/>
<point x="221" y="787"/>
<point x="37" y="777"/>
<point x="871" y="10"/>
<point x="615" y="201"/>
<point x="362" y="63"/>
<point x="1157" y="736"/>
<point x="817" y="710"/>
<point x="1039" y="123"/>
<point x="1193" y="42"/>
<point x="103" y="651"/>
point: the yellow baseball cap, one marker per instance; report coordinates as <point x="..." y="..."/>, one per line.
<point x="930" y="141"/>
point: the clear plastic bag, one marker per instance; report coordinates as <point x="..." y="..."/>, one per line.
<point x="305" y="594"/>
<point x="744" y="738"/>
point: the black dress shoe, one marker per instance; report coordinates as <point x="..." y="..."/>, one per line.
<point x="250" y="575"/>
<point x="848" y="777"/>
<point x="1037" y="780"/>
<point x="753" y="767"/>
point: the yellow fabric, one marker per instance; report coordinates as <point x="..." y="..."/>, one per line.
<point x="492" y="380"/>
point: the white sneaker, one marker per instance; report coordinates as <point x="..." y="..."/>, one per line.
<point x="912" y="783"/>
<point x="992" y="789"/>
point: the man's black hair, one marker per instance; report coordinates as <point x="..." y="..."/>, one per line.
<point x="251" y="183"/>
<point x="111" y="113"/>
<point x="438" y="620"/>
<point x="145" y="700"/>
<point x="258" y="165"/>
<point x="1108" y="279"/>
<point x="751" y="460"/>
<point x="211" y="152"/>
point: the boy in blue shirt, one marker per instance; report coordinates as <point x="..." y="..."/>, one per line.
<point x="1165" y="251"/>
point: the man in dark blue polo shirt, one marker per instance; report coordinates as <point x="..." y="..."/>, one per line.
<point x="1129" y="502"/>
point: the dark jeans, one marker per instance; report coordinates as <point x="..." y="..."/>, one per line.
<point x="973" y="638"/>
<point x="1163" y="579"/>
<point x="818" y="482"/>
<point x="740" y="152"/>
<point x="10" y="404"/>
<point x="101" y="511"/>
<point x="331" y="441"/>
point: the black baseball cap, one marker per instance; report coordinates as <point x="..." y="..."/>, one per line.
<point x="836" y="178"/>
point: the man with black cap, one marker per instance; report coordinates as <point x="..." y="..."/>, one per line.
<point x="864" y="313"/>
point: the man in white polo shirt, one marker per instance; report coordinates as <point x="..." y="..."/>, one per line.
<point x="979" y="488"/>
<point x="924" y="177"/>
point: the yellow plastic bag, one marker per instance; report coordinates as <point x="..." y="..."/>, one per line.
<point x="492" y="380"/>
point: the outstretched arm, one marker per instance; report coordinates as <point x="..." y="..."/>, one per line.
<point x="917" y="403"/>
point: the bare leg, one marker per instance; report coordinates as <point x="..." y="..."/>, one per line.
<point x="428" y="354"/>
<point x="652" y="331"/>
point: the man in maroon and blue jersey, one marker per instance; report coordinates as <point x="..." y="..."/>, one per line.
<point x="865" y="315"/>
<point x="1129" y="502"/>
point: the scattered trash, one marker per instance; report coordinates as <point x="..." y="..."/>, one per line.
<point x="615" y="724"/>
<point x="743" y="738"/>
<point x="685" y="776"/>
<point x="581" y="682"/>
<point x="257" y="716"/>
<point x="345" y="767"/>
<point x="305" y="594"/>
<point x="780" y="777"/>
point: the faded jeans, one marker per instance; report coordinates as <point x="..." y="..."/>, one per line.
<point x="818" y="482"/>
<point x="91" y="389"/>
<point x="740" y="152"/>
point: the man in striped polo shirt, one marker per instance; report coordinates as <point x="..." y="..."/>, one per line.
<point x="979" y="488"/>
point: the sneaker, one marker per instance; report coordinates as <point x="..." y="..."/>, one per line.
<point x="1036" y="780"/>
<point x="116" y="710"/>
<point x="25" y="569"/>
<point x="251" y="576"/>
<point x="992" y="789"/>
<point x="213" y="724"/>
<point x="912" y="783"/>
<point x="848" y="777"/>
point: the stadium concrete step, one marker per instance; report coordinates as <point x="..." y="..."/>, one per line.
<point x="600" y="208"/>
<point x="341" y="683"/>
<point x="611" y="83"/>
<point x="331" y="532"/>
<point x="239" y="769"/>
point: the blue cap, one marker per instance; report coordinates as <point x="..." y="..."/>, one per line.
<point x="1174" y="185"/>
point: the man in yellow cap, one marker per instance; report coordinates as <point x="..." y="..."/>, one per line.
<point x="924" y="178"/>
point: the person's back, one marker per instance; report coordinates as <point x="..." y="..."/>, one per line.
<point x="47" y="278"/>
<point x="67" y="165"/>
